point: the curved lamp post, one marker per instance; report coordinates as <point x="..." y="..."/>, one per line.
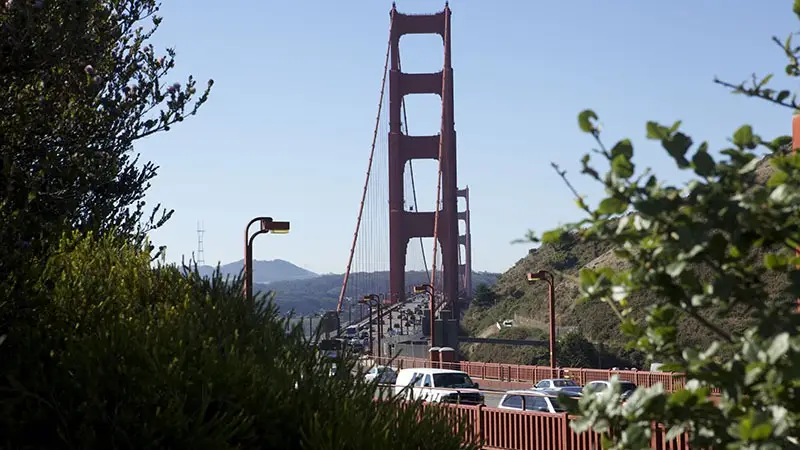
<point x="423" y="288"/>
<point x="267" y="225"/>
<point x="546" y="276"/>
<point x="373" y="300"/>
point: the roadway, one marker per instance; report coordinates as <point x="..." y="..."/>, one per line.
<point x="391" y="316"/>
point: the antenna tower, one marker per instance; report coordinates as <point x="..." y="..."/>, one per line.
<point x="200" y="259"/>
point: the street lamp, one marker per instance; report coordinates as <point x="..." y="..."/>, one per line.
<point x="267" y="225"/>
<point x="547" y="277"/>
<point x="373" y="301"/>
<point x="350" y="310"/>
<point x="423" y="288"/>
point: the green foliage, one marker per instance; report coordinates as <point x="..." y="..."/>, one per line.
<point x="483" y="297"/>
<point x="129" y="356"/>
<point x="692" y="246"/>
<point x="79" y="84"/>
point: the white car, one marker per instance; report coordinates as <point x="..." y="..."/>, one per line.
<point x="538" y="401"/>
<point x="384" y="374"/>
<point x="596" y="387"/>
<point x="438" y="386"/>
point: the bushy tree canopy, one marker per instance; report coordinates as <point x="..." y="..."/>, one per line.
<point x="79" y="84"/>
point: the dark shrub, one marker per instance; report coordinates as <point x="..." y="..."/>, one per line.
<point x="124" y="355"/>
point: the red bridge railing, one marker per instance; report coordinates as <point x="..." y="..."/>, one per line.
<point x="672" y="381"/>
<point x="497" y="429"/>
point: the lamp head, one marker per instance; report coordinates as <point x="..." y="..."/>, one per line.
<point x="535" y="276"/>
<point x="273" y="226"/>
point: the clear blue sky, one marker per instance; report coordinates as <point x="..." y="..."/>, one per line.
<point x="288" y="126"/>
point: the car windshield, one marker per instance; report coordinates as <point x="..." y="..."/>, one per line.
<point x="627" y="387"/>
<point x="452" y="380"/>
<point x="564" y="383"/>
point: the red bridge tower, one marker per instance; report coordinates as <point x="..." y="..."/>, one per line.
<point x="405" y="225"/>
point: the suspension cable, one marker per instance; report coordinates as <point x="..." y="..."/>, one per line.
<point x="438" y="187"/>
<point x="369" y="172"/>
<point x="413" y="184"/>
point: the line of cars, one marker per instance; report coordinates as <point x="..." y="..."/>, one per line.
<point x="453" y="386"/>
<point x="543" y="397"/>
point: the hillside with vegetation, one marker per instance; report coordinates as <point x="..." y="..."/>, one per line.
<point x="513" y="296"/>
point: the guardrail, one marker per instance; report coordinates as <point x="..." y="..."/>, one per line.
<point x="496" y="429"/>
<point x="672" y="381"/>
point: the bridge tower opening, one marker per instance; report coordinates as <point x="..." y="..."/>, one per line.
<point x="405" y="225"/>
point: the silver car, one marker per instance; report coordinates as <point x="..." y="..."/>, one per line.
<point x="528" y="400"/>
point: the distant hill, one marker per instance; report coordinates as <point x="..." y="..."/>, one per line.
<point x="596" y="321"/>
<point x="322" y="292"/>
<point x="263" y="271"/>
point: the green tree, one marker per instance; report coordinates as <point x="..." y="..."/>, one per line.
<point x="79" y="84"/>
<point x="574" y="350"/>
<point x="716" y="222"/>
<point x="483" y="297"/>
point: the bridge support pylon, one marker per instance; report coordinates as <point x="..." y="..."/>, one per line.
<point x="406" y="225"/>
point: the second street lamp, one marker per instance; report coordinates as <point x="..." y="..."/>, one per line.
<point x="267" y="225"/>
<point x="373" y="301"/>
<point x="546" y="276"/>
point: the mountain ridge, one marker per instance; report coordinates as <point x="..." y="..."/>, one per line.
<point x="264" y="271"/>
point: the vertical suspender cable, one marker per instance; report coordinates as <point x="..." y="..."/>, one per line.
<point x="413" y="186"/>
<point x="439" y="185"/>
<point x="369" y="172"/>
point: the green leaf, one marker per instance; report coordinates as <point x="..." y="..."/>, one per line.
<point x="782" y="95"/>
<point x="778" y="348"/>
<point x="674" y="432"/>
<point x="780" y="194"/>
<point x="623" y="147"/>
<point x="588" y="277"/>
<point x="677" y="146"/>
<point x="622" y="167"/>
<point x="773" y="262"/>
<point x="585" y="119"/>
<point x="743" y="137"/>
<point x="750" y="166"/>
<point x="676" y="268"/>
<point x="656" y="131"/>
<point x="761" y="431"/>
<point x="704" y="164"/>
<point x="612" y="205"/>
<point x="778" y="178"/>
